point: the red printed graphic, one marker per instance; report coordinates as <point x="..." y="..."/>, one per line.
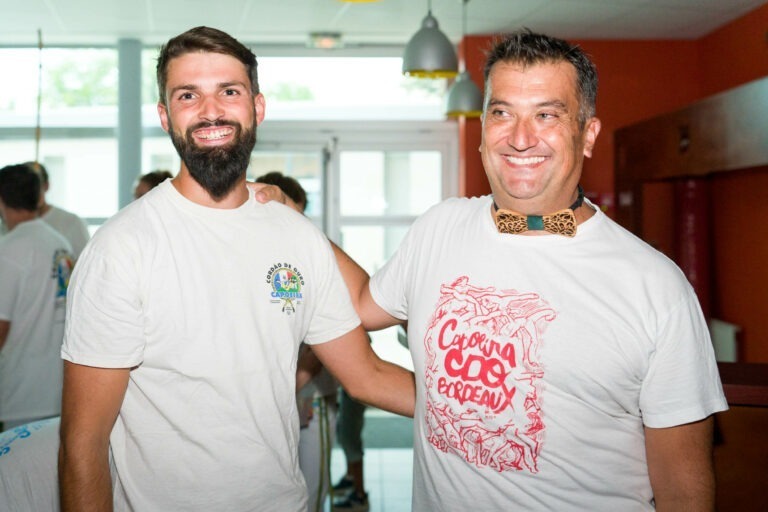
<point x="482" y="375"/>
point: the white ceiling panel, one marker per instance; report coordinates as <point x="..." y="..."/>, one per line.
<point x="387" y="22"/>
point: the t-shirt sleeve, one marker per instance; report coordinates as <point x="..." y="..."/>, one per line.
<point x="333" y="314"/>
<point x="682" y="384"/>
<point x="388" y="285"/>
<point x="104" y="325"/>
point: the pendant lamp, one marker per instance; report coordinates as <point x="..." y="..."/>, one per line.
<point x="429" y="53"/>
<point x="464" y="98"/>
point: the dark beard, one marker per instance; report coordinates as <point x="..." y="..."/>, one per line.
<point x="216" y="169"/>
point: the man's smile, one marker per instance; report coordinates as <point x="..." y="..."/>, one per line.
<point x="528" y="160"/>
<point x="214" y="134"/>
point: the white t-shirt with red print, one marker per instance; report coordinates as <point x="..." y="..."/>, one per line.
<point x="539" y="360"/>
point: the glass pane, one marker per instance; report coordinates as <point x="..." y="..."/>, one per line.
<point x="149" y="77"/>
<point x="158" y="153"/>
<point x="82" y="172"/>
<point x="332" y="88"/>
<point x="78" y="87"/>
<point x="305" y="166"/>
<point x="387" y="346"/>
<point x="376" y="183"/>
<point x="371" y="246"/>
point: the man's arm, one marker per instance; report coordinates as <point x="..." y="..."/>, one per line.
<point x="365" y="376"/>
<point x="356" y="279"/>
<point x="91" y="400"/>
<point x="5" y="327"/>
<point x="307" y="367"/>
<point x="680" y="466"/>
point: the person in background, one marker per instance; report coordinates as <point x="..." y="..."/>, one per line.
<point x="316" y="397"/>
<point x="348" y="421"/>
<point x="561" y="362"/>
<point x="147" y="182"/>
<point x="186" y="312"/>
<point x="350" y="488"/>
<point x="35" y="265"/>
<point x="72" y="227"/>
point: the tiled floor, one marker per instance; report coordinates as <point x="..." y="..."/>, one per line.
<point x="388" y="477"/>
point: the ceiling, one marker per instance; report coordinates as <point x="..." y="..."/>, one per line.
<point x="383" y="23"/>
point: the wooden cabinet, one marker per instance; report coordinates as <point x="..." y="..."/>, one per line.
<point x="728" y="131"/>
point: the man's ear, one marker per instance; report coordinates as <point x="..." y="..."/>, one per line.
<point x="592" y="129"/>
<point x="259" y="104"/>
<point x="162" y="111"/>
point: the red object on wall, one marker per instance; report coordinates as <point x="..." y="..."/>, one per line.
<point x="693" y="249"/>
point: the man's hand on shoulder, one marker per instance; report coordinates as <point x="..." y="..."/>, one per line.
<point x="265" y="193"/>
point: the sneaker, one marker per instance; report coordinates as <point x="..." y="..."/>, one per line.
<point x="343" y="486"/>
<point x="353" y="502"/>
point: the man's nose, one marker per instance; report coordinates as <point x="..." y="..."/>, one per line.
<point x="211" y="109"/>
<point x="522" y="134"/>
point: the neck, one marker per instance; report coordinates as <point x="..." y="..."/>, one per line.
<point x="577" y="200"/>
<point x="14" y="217"/>
<point x="188" y="187"/>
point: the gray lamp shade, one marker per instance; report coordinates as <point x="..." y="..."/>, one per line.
<point x="429" y="53"/>
<point x="464" y="98"/>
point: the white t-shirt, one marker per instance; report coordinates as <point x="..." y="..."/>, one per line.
<point x="539" y="359"/>
<point x="70" y="225"/>
<point x="35" y="264"/>
<point x="28" y="474"/>
<point x="210" y="306"/>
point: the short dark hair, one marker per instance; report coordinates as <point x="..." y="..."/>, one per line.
<point x="204" y="40"/>
<point x="290" y="186"/>
<point x="156" y="177"/>
<point x="528" y="48"/>
<point x="20" y="187"/>
<point x="40" y="169"/>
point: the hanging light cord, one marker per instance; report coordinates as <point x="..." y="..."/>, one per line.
<point x="39" y="93"/>
<point x="463" y="62"/>
<point x="464" y="18"/>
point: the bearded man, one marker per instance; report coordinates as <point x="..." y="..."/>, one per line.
<point x="181" y="340"/>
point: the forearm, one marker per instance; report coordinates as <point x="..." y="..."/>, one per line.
<point x="5" y="327"/>
<point x="91" y="400"/>
<point x="366" y="377"/>
<point x="84" y="479"/>
<point x="390" y="387"/>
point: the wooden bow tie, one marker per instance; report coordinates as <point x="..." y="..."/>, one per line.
<point x="562" y="222"/>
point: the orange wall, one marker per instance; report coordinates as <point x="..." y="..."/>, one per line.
<point x="736" y="53"/>
<point x="740" y="255"/>
<point x="472" y="181"/>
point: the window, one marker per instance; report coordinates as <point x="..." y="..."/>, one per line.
<point x="78" y="116"/>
